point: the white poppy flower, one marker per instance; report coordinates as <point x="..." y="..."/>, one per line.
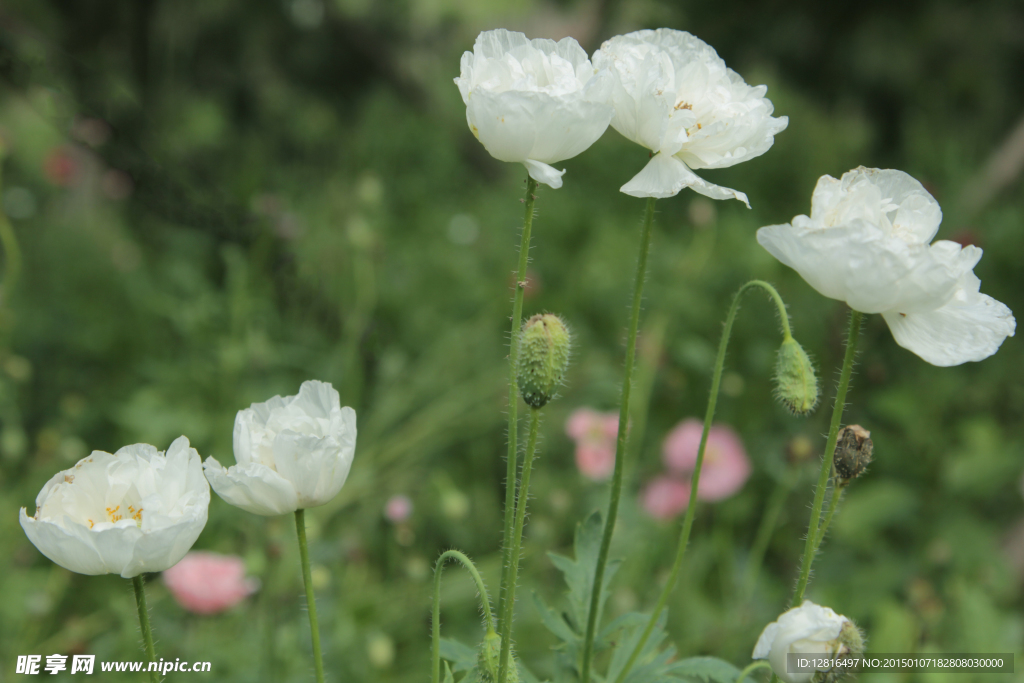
<point x="135" y="511"/>
<point x="808" y="629"/>
<point x="535" y="102"/>
<point x="866" y="242"/>
<point x="292" y="453"/>
<point x="674" y="95"/>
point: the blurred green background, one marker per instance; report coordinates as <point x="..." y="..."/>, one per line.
<point x="217" y="200"/>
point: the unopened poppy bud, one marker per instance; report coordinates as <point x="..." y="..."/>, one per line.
<point x="488" y="660"/>
<point x="853" y="453"/>
<point x="543" y="357"/>
<point x="796" y="385"/>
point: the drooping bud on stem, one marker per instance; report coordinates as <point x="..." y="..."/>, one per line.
<point x="796" y="384"/>
<point x="853" y="453"/>
<point x="487" y="658"/>
<point x="543" y="357"/>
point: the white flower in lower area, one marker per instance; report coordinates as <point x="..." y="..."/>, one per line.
<point x="808" y="630"/>
<point x="674" y="95"/>
<point x="292" y="453"/>
<point x="867" y="242"/>
<point x="134" y="511"/>
<point x="535" y="102"/>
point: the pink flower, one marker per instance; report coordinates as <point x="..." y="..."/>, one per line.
<point x="207" y="583"/>
<point x="398" y="508"/>
<point x="726" y="466"/>
<point x="594" y="434"/>
<point x="665" y="497"/>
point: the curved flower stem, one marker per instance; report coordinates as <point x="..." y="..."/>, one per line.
<point x="307" y="578"/>
<point x="436" y="623"/>
<point x="620" y="443"/>
<point x="753" y="666"/>
<point x="691" y="508"/>
<point x="517" y="544"/>
<point x="147" y="631"/>
<point x="513" y="396"/>
<point x="811" y="544"/>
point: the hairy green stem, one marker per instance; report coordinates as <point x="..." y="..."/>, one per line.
<point x="147" y="631"/>
<point x="833" y="503"/>
<point x="811" y="544"/>
<point x="620" y="442"/>
<point x="307" y="578"/>
<point x="517" y="544"/>
<point x="691" y="508"/>
<point x="436" y="622"/>
<point x="513" y="395"/>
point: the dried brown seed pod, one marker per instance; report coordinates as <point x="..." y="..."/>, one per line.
<point x="853" y="452"/>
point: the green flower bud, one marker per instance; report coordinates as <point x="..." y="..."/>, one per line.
<point x="851" y="639"/>
<point x="850" y="643"/>
<point x="543" y="356"/>
<point x="854" y="449"/>
<point x="489" y="658"/>
<point x="796" y="385"/>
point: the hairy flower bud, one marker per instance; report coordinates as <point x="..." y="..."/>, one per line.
<point x="796" y="385"/>
<point x="543" y="356"/>
<point x="488" y="660"/>
<point x="853" y="453"/>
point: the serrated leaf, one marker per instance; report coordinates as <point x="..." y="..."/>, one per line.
<point x="579" y="572"/>
<point x="555" y="623"/>
<point x="462" y="656"/>
<point x="704" y="669"/>
<point x="648" y="664"/>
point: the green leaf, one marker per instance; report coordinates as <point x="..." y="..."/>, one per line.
<point x="462" y="656"/>
<point x="579" y="572"/>
<point x="631" y="627"/>
<point x="708" y="669"/>
<point x="555" y="622"/>
<point x="448" y="678"/>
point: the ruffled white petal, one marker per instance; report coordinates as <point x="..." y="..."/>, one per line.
<point x="807" y="629"/>
<point x="890" y="199"/>
<point x="528" y="126"/>
<point x="859" y="264"/>
<point x="294" y="452"/>
<point x="125" y="513"/>
<point x="675" y="95"/>
<point x="665" y="175"/>
<point x="536" y="100"/>
<point x="543" y="173"/>
<point x="971" y="327"/>
<point x="254" y="487"/>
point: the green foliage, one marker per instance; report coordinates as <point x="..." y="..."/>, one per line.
<point x="257" y="201"/>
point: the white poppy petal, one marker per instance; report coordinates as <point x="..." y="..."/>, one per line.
<point x="533" y="101"/>
<point x="675" y="95"/>
<point x="807" y="629"/>
<point x="665" y="176"/>
<point x="298" y="451"/>
<point x="542" y="173"/>
<point x="971" y="327"/>
<point x="254" y="487"/>
<point x="858" y="264"/>
<point x="134" y="511"/>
